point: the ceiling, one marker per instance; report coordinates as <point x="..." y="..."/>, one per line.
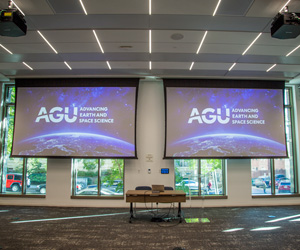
<point x="177" y="29"/>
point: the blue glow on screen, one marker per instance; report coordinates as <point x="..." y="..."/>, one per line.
<point x="224" y="122"/>
<point x="75" y="121"/>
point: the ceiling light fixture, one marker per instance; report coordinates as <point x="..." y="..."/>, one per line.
<point x="293" y="50"/>
<point x="150" y="7"/>
<point x="201" y="42"/>
<point x="216" y="8"/>
<point x="232" y="67"/>
<point x="6" y="49"/>
<point x="27" y="65"/>
<point x="284" y="5"/>
<point x="107" y="62"/>
<point x="150" y="46"/>
<point x="18" y="8"/>
<point x="192" y="65"/>
<point x="67" y="65"/>
<point x="271" y="67"/>
<point x="47" y="42"/>
<point x="150" y="65"/>
<point x="82" y="5"/>
<point x="251" y="43"/>
<point x="98" y="41"/>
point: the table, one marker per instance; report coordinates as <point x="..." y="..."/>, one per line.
<point x="147" y="196"/>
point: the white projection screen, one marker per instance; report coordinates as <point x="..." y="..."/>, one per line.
<point x="224" y="119"/>
<point x="78" y="118"/>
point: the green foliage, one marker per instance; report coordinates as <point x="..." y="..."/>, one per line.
<point x="36" y="171"/>
<point x="115" y="173"/>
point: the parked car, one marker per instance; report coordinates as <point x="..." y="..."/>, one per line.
<point x="14" y="182"/>
<point x="262" y="181"/>
<point x="41" y="188"/>
<point x="94" y="191"/>
<point x="278" y="180"/>
<point x="188" y="183"/>
<point x="284" y="186"/>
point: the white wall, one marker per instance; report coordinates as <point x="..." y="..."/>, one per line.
<point x="150" y="140"/>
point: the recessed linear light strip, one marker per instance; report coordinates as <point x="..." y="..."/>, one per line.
<point x="6" y="49"/>
<point x="192" y="65"/>
<point x="232" y="67"/>
<point x="284" y="5"/>
<point x="201" y="42"/>
<point x="150" y="7"/>
<point x="18" y="8"/>
<point x="98" y="41"/>
<point x="150" y="41"/>
<point x="27" y="65"/>
<point x="271" y="67"/>
<point x="216" y="8"/>
<point x="150" y="65"/>
<point x="251" y="43"/>
<point x="107" y="62"/>
<point x="82" y="5"/>
<point x="47" y="41"/>
<point x="293" y="50"/>
<point x="67" y="65"/>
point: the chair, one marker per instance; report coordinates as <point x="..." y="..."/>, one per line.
<point x="143" y="188"/>
<point x="169" y="188"/>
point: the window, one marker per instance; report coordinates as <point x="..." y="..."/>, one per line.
<point x="200" y="177"/>
<point x="277" y="176"/>
<point x="16" y="171"/>
<point x="98" y="177"/>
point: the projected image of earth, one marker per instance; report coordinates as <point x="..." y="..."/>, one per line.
<point x="216" y="145"/>
<point x="73" y="144"/>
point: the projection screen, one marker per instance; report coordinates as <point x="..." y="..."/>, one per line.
<point x="224" y="119"/>
<point x="94" y="118"/>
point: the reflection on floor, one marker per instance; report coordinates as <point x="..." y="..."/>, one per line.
<point x="108" y="228"/>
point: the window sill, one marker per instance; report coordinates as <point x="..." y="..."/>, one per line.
<point x="208" y="197"/>
<point x="276" y="196"/>
<point x="23" y="195"/>
<point x="117" y="197"/>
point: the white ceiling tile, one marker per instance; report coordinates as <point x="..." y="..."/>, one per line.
<point x="190" y="7"/>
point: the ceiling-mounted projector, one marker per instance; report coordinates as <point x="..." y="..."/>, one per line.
<point x="286" y="25"/>
<point x="12" y="23"/>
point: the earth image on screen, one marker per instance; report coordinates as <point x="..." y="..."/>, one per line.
<point x="75" y="144"/>
<point x="231" y="145"/>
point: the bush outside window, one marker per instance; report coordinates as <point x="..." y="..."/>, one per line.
<point x="98" y="177"/>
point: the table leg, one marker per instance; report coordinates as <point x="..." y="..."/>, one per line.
<point x="179" y="212"/>
<point x="131" y="212"/>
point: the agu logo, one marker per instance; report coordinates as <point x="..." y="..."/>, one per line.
<point x="209" y="116"/>
<point x="57" y="114"/>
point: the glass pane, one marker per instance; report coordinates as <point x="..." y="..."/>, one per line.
<point x="11" y="94"/>
<point x="86" y="176"/>
<point x="111" y="174"/>
<point x="187" y="176"/>
<point x="284" y="176"/>
<point x="36" y="176"/>
<point x="12" y="167"/>
<point x="261" y="176"/>
<point x="12" y="175"/>
<point x="286" y="97"/>
<point x="211" y="177"/>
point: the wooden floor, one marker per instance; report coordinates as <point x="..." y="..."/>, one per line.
<point x="109" y="228"/>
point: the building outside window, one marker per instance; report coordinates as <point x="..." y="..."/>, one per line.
<point x="98" y="177"/>
<point x="19" y="176"/>
<point x="200" y="177"/>
<point x="277" y="176"/>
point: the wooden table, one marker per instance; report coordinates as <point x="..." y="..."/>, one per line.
<point x="147" y="196"/>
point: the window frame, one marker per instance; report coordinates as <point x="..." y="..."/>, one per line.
<point x="98" y="196"/>
<point x="5" y="105"/>
<point x="208" y="196"/>
<point x="291" y="109"/>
